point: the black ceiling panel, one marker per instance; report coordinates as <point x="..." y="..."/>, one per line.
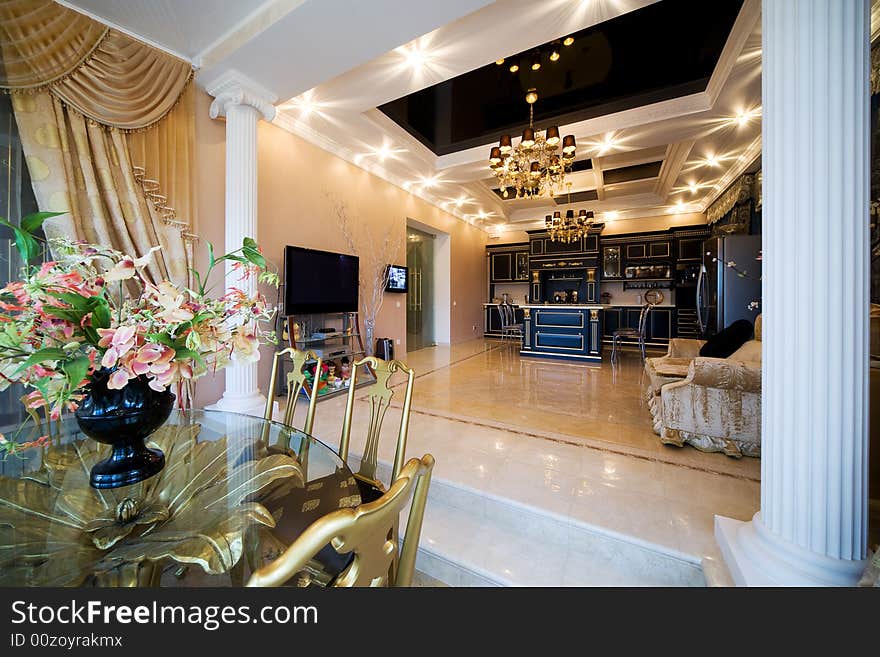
<point x="628" y="174"/>
<point x="662" y="51"/>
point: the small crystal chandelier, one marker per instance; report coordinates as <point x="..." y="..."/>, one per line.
<point x="569" y="228"/>
<point x="533" y="167"/>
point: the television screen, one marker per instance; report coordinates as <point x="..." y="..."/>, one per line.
<point x="319" y="281"/>
<point x="397" y="277"/>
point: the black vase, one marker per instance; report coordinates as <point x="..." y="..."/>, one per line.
<point x="124" y="419"/>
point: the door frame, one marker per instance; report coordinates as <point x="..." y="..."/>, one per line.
<point x="441" y="297"/>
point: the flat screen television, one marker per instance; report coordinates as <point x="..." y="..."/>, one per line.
<point x="319" y="281"/>
<point x="398" y="278"/>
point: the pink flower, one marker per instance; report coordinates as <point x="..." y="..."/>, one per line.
<point x="118" y="380"/>
<point x="122" y="270"/>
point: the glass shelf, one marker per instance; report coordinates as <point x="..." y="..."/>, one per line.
<point x="332" y="337"/>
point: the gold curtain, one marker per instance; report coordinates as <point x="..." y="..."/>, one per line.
<point x="43" y="42"/>
<point x="107" y="126"/>
<point x="85" y="169"/>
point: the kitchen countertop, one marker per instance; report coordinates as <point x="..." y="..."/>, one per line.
<point x="571" y="306"/>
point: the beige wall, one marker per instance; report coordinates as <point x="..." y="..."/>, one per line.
<point x="295" y="179"/>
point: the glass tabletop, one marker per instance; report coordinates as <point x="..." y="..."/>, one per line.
<point x="235" y="491"/>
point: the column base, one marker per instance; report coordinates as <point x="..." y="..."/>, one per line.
<point x="757" y="557"/>
<point x="251" y="404"/>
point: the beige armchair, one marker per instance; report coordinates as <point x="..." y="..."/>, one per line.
<point x="717" y="408"/>
<point x="713" y="404"/>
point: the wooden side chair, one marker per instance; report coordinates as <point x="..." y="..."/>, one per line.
<point x="379" y="396"/>
<point x="296" y="381"/>
<point x="368" y="531"/>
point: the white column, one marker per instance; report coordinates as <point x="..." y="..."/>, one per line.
<point x="811" y="529"/>
<point x="243" y="103"/>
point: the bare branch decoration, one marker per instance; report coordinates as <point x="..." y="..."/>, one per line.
<point x="375" y="253"/>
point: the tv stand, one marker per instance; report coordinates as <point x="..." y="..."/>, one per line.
<point x="309" y="332"/>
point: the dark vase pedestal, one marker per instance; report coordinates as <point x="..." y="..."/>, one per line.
<point x="124" y="419"/>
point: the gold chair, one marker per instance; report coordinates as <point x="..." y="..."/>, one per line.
<point x="296" y="381"/>
<point x="379" y="395"/>
<point x="369" y="531"/>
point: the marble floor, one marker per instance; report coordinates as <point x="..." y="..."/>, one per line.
<point x="570" y="444"/>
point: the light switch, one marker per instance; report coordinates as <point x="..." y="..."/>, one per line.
<point x="455" y="303"/>
<point x="397" y="341"/>
<point x="398" y="304"/>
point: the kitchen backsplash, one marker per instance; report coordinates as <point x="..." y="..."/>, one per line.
<point x="621" y="297"/>
<point x="517" y="291"/>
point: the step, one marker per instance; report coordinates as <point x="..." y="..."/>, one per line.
<point x="473" y="538"/>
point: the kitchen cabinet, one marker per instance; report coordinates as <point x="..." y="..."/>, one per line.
<point x="521" y="266"/>
<point x="611" y="263"/>
<point x="657" y="332"/>
<point x="500" y="267"/>
<point x="492" y="321"/>
<point x="511" y="265"/>
<point x="690" y="248"/>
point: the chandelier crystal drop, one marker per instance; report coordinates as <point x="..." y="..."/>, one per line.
<point x="534" y="167"/>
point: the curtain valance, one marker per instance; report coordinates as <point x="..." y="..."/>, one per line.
<point x="102" y="73"/>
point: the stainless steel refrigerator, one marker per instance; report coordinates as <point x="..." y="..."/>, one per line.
<point x="723" y="295"/>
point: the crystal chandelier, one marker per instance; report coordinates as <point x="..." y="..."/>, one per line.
<point x="569" y="228"/>
<point x="533" y="167"/>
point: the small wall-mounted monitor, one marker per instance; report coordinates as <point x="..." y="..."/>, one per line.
<point x="397" y="279"/>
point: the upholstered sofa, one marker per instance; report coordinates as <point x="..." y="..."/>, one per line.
<point x="713" y="404"/>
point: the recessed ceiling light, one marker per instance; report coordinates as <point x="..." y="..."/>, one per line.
<point x="693" y="187"/>
<point x="712" y="161"/>
<point x="568" y="41"/>
<point x="536" y="65"/>
<point x="554" y="56"/>
<point x="415" y="57"/>
<point x="428" y="182"/>
<point x="499" y="61"/>
<point x="611" y="216"/>
<point x="514" y="68"/>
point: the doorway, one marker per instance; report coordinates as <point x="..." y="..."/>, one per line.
<point x="420" y="293"/>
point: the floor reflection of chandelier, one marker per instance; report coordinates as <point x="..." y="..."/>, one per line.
<point x="534" y="167"/>
<point x="569" y="228"/>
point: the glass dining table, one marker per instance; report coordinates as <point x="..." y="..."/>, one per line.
<point x="235" y="491"/>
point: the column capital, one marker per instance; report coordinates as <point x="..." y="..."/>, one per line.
<point x="234" y="88"/>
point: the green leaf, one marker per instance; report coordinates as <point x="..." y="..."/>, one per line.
<point x="69" y="314"/>
<point x="211" y="259"/>
<point x="249" y="243"/>
<point x="41" y="356"/>
<point x="101" y="316"/>
<point x="254" y="256"/>
<point x="91" y="335"/>
<point x="161" y="338"/>
<point x="77" y="301"/>
<point x="75" y="370"/>
<point x="32" y="222"/>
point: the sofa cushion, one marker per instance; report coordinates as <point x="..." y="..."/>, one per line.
<point x="724" y="343"/>
<point x="750" y="352"/>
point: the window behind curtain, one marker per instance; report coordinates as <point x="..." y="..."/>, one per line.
<point x="16" y="200"/>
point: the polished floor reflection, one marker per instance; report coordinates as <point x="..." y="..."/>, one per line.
<point x="543" y="458"/>
<point x="596" y="405"/>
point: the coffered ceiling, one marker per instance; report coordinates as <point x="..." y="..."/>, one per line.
<point x="667" y="136"/>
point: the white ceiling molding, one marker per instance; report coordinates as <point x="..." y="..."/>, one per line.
<point x="676" y="155"/>
<point x="748" y="157"/>
<point x="749" y="16"/>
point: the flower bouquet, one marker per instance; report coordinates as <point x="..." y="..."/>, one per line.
<point x="89" y="330"/>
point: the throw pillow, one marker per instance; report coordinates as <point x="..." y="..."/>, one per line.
<point x="750" y="352"/>
<point x="724" y="343"/>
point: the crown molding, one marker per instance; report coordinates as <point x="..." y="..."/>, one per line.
<point x="743" y="162"/>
